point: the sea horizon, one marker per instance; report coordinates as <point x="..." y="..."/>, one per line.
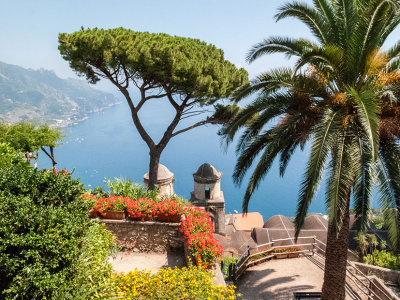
<point x="107" y="145"/>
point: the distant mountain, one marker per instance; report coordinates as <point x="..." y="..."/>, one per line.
<point x="41" y="95"/>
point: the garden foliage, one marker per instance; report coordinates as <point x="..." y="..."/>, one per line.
<point x="9" y="157"/>
<point x="126" y="188"/>
<point x="186" y="283"/>
<point x="43" y="187"/>
<point x="49" y="248"/>
<point x="383" y="259"/>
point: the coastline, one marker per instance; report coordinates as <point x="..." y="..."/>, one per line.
<point x="69" y="122"/>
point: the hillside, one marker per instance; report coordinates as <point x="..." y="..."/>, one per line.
<point x="41" y="95"/>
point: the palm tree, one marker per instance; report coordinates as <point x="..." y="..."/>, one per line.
<point x="342" y="96"/>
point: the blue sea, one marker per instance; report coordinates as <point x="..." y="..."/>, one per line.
<point x="107" y="145"/>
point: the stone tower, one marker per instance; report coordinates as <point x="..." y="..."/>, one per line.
<point x="207" y="193"/>
<point x="165" y="180"/>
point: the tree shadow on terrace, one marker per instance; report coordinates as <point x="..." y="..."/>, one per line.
<point x="266" y="284"/>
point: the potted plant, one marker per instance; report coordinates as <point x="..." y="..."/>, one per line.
<point x="142" y="209"/>
<point x="259" y="254"/>
<point x="112" y="207"/>
<point x="293" y="252"/>
<point x="91" y="200"/>
<point x="168" y="211"/>
<point x="280" y="253"/>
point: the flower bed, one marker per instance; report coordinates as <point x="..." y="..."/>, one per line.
<point x="259" y="254"/>
<point x="196" y="226"/>
<point x="186" y="283"/>
<point x="283" y="252"/>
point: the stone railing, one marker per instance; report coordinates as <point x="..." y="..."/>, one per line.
<point x="146" y="236"/>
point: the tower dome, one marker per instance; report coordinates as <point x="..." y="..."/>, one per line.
<point x="165" y="179"/>
<point x="162" y="173"/>
<point x="207" y="173"/>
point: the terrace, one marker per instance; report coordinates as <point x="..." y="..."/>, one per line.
<point x="260" y="271"/>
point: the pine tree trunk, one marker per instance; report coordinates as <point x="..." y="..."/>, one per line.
<point x="52" y="157"/>
<point x="335" y="262"/>
<point x="153" y="168"/>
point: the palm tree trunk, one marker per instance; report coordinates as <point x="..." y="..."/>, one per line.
<point x="336" y="259"/>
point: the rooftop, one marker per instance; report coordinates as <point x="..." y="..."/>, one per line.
<point x="248" y="221"/>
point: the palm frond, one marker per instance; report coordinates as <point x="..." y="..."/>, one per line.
<point x="345" y="13"/>
<point x="327" y="11"/>
<point x="366" y="35"/>
<point x="341" y="179"/>
<point x="274" y="106"/>
<point x="364" y="184"/>
<point x="388" y="172"/>
<point x="289" y="46"/>
<point x="249" y="153"/>
<point x="324" y="136"/>
<point x="260" y="171"/>
<point x="368" y="109"/>
<point x="330" y="56"/>
<point x="266" y="83"/>
<point x="308" y="16"/>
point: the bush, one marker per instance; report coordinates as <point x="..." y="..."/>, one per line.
<point x="10" y="157"/>
<point x="49" y="248"/>
<point x="186" y="283"/>
<point x="43" y="187"/>
<point x="93" y="276"/>
<point x="383" y="259"/>
<point x="39" y="246"/>
<point x="127" y="188"/>
<point x="227" y="261"/>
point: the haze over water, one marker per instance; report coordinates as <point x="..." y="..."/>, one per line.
<point x="108" y="145"/>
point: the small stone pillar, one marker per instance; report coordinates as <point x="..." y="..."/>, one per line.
<point x="165" y="180"/>
<point x="207" y="193"/>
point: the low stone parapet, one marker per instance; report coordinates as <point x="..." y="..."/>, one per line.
<point x="148" y="236"/>
<point x="385" y="274"/>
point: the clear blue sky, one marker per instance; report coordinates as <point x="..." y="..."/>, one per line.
<point x="29" y="29"/>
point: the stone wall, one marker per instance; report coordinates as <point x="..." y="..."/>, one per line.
<point x="381" y="290"/>
<point x="147" y="236"/>
<point x="385" y="274"/>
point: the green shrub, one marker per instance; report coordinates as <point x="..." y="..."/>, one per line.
<point x="94" y="270"/>
<point x="383" y="259"/>
<point x="227" y="261"/>
<point x="127" y="188"/>
<point x="49" y="248"/>
<point x="43" y="187"/>
<point x="9" y="157"/>
<point x="39" y="246"/>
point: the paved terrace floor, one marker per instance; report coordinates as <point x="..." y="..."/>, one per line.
<point x="129" y="261"/>
<point x="279" y="278"/>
